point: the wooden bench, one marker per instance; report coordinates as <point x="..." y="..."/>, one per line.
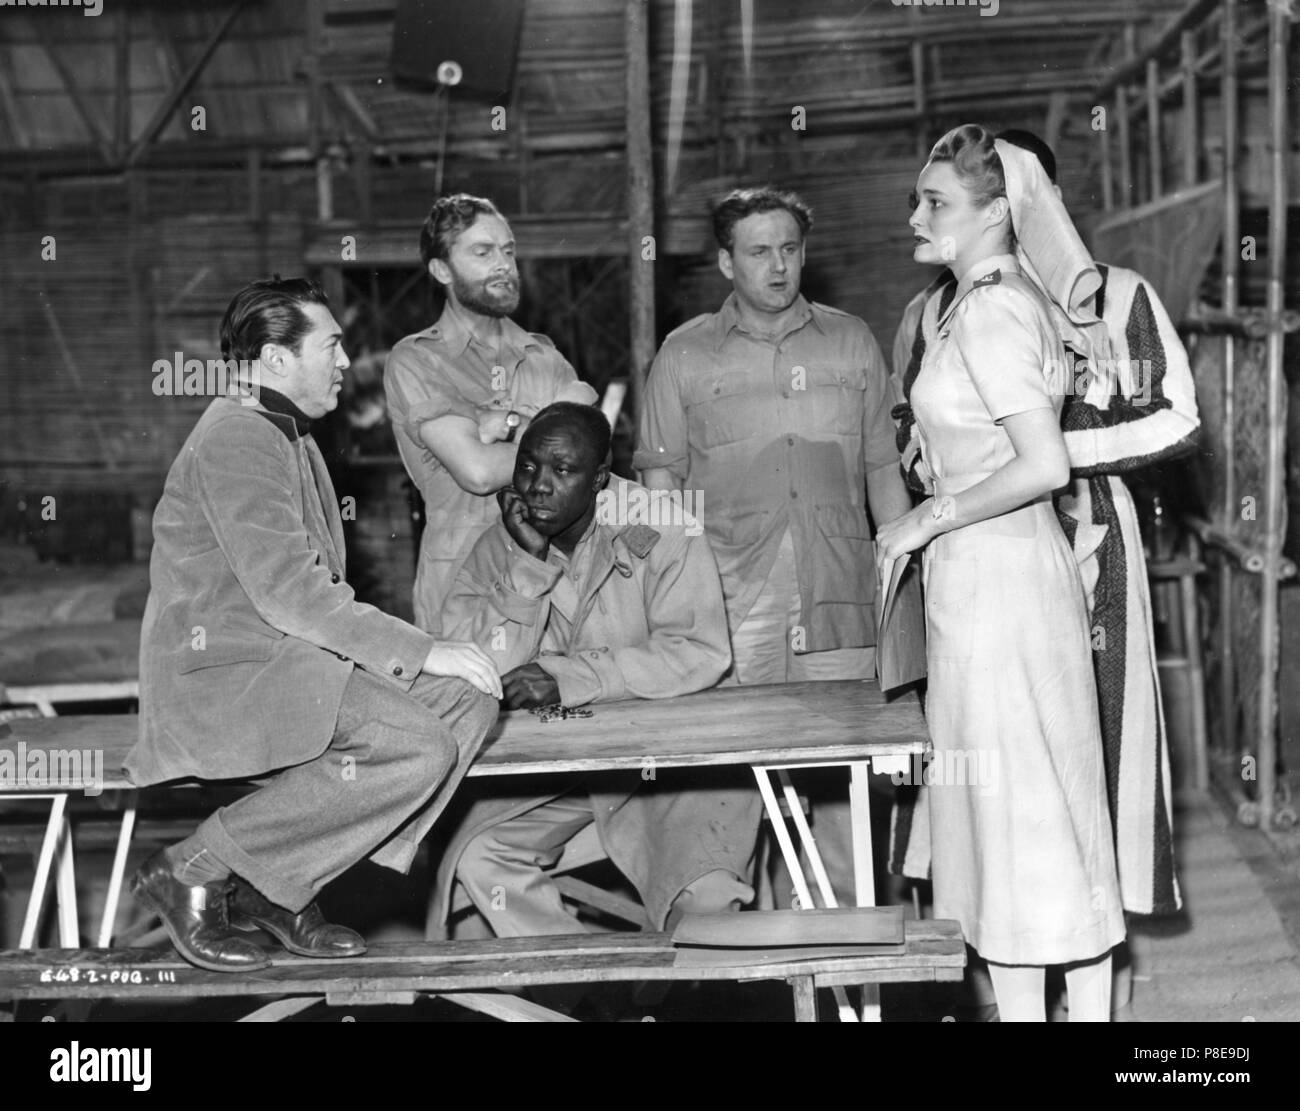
<point x="464" y="972"/>
<point x="771" y="729"/>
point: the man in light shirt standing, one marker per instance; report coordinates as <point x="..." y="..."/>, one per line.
<point x="461" y="392"/>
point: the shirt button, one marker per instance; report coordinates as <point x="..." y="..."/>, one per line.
<point x="398" y="672"/>
<point x="785" y="394"/>
<point x="790" y="440"/>
<point x="345" y="659"/>
<point x="794" y="493"/>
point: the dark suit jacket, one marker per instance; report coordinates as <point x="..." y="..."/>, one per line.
<point x="250" y="632"/>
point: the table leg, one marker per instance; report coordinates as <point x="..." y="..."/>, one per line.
<point x="864" y="875"/>
<point x="847" y="1013"/>
<point x="783" y="838"/>
<point x="806" y="839"/>
<point x="53" y="827"/>
<point x="66" y="889"/>
<point x="119" y="870"/>
<point x="805" y="998"/>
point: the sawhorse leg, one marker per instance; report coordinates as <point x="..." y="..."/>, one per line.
<point x="863" y="867"/>
<point x="111" y="900"/>
<point x="846" y="1012"/>
<point x="57" y="841"/>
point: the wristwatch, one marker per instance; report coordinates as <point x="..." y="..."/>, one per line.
<point x="513" y="420"/>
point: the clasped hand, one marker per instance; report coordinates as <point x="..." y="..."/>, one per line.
<point x="913" y="530"/>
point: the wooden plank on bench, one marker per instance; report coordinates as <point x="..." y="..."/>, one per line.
<point x="934" y="950"/>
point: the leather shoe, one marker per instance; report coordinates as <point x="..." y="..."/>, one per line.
<point x="305" y="933"/>
<point x="195" y="918"/>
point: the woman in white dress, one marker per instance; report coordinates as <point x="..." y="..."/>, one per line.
<point x="1023" y="858"/>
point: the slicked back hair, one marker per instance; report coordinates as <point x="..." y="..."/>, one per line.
<point x="739" y="203"/>
<point x="269" y="311"/>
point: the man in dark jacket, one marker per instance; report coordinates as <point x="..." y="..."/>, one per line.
<point x="257" y="661"/>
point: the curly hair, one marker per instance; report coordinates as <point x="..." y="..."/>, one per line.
<point x="739" y="203"/>
<point x="448" y="217"/>
<point x="975" y="160"/>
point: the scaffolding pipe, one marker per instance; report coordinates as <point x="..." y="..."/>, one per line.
<point x="1279" y="27"/>
<point x="1231" y="257"/>
<point x="640" y="202"/>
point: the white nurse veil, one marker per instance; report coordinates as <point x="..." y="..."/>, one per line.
<point x="1054" y="258"/>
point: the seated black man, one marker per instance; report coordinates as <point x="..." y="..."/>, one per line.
<point x="577" y="607"/>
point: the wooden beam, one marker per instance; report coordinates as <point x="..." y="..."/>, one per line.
<point x="122" y="83"/>
<point x="93" y="130"/>
<point x="1279" y="31"/>
<point x="1134" y="66"/>
<point x="12" y="115"/>
<point x="170" y="64"/>
<point x="640" y="199"/>
<point x="351" y="104"/>
<point x="1191" y="139"/>
<point x="1153" y="129"/>
<point x="1125" y="149"/>
<point x="165" y="109"/>
<point x="1231" y="256"/>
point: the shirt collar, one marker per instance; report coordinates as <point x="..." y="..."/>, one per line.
<point x="453" y="329"/>
<point x="283" y="413"/>
<point x="728" y="318"/>
<point x="980" y="273"/>
<point x="584" y="540"/>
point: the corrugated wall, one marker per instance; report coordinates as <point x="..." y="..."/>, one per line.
<point x="80" y="334"/>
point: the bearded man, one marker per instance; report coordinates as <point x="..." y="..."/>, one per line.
<point x="461" y="392"/>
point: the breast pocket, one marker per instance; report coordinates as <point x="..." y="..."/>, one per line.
<point x="724" y="408"/>
<point x="837" y="395"/>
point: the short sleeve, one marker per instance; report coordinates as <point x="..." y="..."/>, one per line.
<point x="417" y="393"/>
<point x="567" y="385"/>
<point x="1007" y="348"/>
<point x="661" y="441"/>
<point x="878" y="442"/>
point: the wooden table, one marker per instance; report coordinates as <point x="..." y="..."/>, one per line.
<point x="771" y="729"/>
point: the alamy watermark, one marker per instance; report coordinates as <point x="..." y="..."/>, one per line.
<point x="958" y="767"/>
<point x="88" y="7"/>
<point x="656" y="508"/>
<point x="182" y="377"/>
<point x="1129" y="378"/>
<point x="986" y="7"/>
<point x="54" y="769"/>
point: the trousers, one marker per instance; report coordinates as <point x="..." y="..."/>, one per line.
<point x="390" y="767"/>
<point x="665" y="836"/>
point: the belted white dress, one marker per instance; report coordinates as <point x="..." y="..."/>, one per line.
<point x="1022" y="851"/>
